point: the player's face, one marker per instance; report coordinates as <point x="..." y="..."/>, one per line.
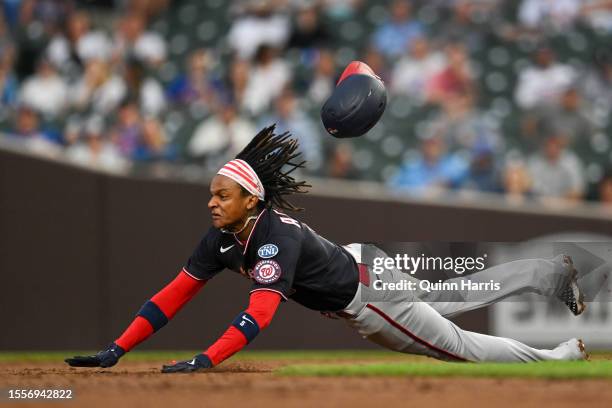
<point x="229" y="207"/>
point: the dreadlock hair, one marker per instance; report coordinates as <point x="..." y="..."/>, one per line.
<point x="272" y="157"/>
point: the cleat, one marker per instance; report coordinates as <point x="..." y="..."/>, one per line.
<point x="574" y="350"/>
<point x="583" y="351"/>
<point x="572" y="296"/>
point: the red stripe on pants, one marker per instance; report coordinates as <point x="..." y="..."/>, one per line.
<point x="412" y="335"/>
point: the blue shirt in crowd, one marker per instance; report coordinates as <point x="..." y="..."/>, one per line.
<point x="394" y="40"/>
<point x="419" y="175"/>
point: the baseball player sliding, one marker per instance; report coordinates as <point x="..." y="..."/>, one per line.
<point x="286" y="259"/>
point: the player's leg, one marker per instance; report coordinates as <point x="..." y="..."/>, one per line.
<point x="418" y="329"/>
<point x="411" y="326"/>
<point x="400" y="321"/>
<point x="546" y="277"/>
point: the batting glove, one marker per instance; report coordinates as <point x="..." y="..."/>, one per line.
<point x="106" y="358"/>
<point x="199" y="362"/>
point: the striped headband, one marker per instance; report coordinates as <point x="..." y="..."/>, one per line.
<point x="243" y="174"/>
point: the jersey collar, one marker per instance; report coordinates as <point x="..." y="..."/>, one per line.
<point x="246" y="244"/>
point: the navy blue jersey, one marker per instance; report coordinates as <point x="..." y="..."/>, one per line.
<point x="284" y="255"/>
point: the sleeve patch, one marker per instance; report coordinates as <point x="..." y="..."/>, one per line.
<point x="267" y="251"/>
<point x="266" y="271"/>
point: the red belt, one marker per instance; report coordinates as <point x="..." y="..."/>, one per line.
<point x="364" y="275"/>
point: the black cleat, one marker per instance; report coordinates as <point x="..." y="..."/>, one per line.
<point x="572" y="296"/>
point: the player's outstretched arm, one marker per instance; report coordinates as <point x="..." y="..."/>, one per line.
<point x="245" y="327"/>
<point x="152" y="316"/>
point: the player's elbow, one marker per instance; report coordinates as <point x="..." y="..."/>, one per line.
<point x="263" y="306"/>
<point x="263" y="315"/>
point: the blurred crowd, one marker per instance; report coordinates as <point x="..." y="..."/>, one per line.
<point x="98" y="83"/>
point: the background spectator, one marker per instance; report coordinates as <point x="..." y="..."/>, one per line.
<point x="308" y="30"/>
<point x="543" y="83"/>
<point x="596" y="84"/>
<point x="414" y="71"/>
<point x="464" y="126"/>
<point x="516" y="182"/>
<point x="598" y="14"/>
<point x="324" y="78"/>
<point x="28" y="132"/>
<point x="340" y="164"/>
<point x="45" y="91"/>
<point x="221" y="136"/>
<point x="127" y="132"/>
<point x="289" y="117"/>
<point x="94" y="149"/>
<point x="134" y="41"/>
<point x="153" y="144"/>
<point x="144" y="88"/>
<point x="484" y="173"/>
<point x="569" y="117"/>
<point x="397" y="34"/>
<point x="98" y="90"/>
<point x="259" y="24"/>
<point x="555" y="14"/>
<point x="433" y="171"/>
<point x="196" y="85"/>
<point x="268" y="76"/>
<point x="456" y="77"/>
<point x="70" y="51"/>
<point x="556" y="171"/>
<point x="470" y="22"/>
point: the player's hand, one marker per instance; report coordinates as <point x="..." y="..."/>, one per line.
<point x="199" y="362"/>
<point x="105" y="358"/>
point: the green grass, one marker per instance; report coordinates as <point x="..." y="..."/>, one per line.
<point x="361" y="363"/>
<point x="544" y="370"/>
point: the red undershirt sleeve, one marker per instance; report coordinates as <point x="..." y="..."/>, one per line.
<point x="259" y="314"/>
<point x="162" y="307"/>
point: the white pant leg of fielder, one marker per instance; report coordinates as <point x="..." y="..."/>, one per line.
<point x="412" y="326"/>
<point x="540" y="276"/>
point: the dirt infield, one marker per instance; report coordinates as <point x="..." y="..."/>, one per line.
<point x="253" y="384"/>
